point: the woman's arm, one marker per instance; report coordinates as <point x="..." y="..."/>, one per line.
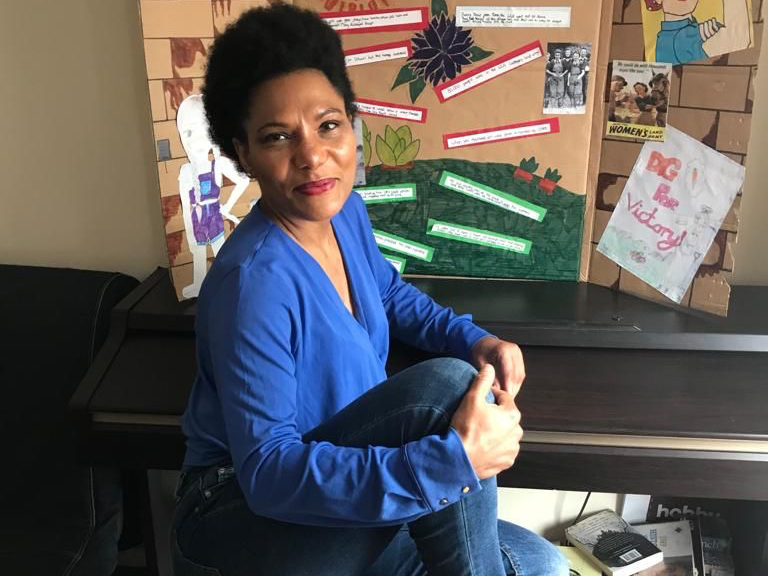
<point x="227" y="168"/>
<point x="251" y="337"/>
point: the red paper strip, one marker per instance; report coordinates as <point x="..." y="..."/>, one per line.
<point x="389" y="20"/>
<point x="389" y="110"/>
<point x="501" y="133"/>
<point x="529" y="52"/>
<point x="379" y="48"/>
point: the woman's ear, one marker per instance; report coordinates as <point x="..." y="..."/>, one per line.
<point x="242" y="155"/>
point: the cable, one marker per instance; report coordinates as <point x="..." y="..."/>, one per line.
<point x="584" y="505"/>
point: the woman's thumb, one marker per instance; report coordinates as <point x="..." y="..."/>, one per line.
<point x="483" y="382"/>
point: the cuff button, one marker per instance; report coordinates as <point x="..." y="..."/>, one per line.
<point x="443" y="501"/>
<point x="465" y="490"/>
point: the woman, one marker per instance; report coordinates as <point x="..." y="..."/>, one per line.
<point x="575" y="85"/>
<point x="297" y="462"/>
<point x="556" y="71"/>
<point x="645" y="104"/>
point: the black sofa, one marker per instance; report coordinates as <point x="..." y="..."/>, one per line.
<point x="58" y="516"/>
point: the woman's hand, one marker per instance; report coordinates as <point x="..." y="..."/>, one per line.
<point x="505" y="357"/>
<point x="490" y="433"/>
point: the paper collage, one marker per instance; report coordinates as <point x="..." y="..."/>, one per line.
<point x="453" y="144"/>
<point x="672" y="206"/>
<point x="462" y="130"/>
<point x="709" y="96"/>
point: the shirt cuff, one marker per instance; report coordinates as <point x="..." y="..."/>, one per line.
<point x="441" y="469"/>
<point x="467" y="335"/>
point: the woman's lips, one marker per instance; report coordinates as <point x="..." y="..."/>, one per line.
<point x="317" y="187"/>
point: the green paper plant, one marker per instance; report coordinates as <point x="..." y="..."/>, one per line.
<point x="366" y="145"/>
<point x="397" y="149"/>
<point x="550" y="180"/>
<point x="527" y="169"/>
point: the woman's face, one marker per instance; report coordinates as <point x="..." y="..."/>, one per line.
<point x="640" y="89"/>
<point x="300" y="146"/>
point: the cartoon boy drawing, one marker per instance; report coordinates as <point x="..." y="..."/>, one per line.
<point x="200" y="182"/>
<point x="683" y="39"/>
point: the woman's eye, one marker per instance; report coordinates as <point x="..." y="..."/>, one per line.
<point x="274" y="137"/>
<point x="330" y="125"/>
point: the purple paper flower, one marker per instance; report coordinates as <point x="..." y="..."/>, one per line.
<point x="440" y="50"/>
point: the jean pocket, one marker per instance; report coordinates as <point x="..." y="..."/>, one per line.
<point x="183" y="566"/>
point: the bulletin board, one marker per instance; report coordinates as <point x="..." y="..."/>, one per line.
<point x="477" y="165"/>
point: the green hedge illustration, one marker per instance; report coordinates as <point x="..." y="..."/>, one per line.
<point x="556" y="248"/>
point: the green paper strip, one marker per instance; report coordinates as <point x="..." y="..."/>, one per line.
<point x="390" y="193"/>
<point x="403" y="245"/>
<point x="477" y="236"/>
<point x="491" y="196"/>
<point x="396" y="261"/>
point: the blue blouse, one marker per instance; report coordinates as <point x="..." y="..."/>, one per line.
<point x="278" y="353"/>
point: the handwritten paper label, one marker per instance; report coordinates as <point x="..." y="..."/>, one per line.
<point x="513" y="16"/>
<point x="403" y="245"/>
<point x="491" y="195"/>
<point x="388" y="110"/>
<point x="391" y="20"/>
<point x="488" y="71"/>
<point x="510" y="132"/>
<point x="396" y="193"/>
<point x="378" y="53"/>
<point x="396" y="261"/>
<point x="476" y="236"/>
<point x="672" y="206"/>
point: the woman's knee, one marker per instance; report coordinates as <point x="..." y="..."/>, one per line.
<point x="528" y="553"/>
<point x="441" y="382"/>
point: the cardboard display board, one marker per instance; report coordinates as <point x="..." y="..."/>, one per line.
<point x="482" y="134"/>
<point x="501" y="173"/>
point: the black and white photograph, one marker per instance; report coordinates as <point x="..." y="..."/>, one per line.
<point x="566" y="77"/>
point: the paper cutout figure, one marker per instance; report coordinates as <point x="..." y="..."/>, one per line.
<point x="200" y="182"/>
<point x="567" y="74"/>
<point x="680" y="31"/>
<point x="638" y="100"/>
<point x="672" y="206"/>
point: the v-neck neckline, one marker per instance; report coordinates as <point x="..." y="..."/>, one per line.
<point x="355" y="313"/>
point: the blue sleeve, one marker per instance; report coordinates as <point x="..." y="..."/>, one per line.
<point x="414" y="318"/>
<point x="252" y="337"/>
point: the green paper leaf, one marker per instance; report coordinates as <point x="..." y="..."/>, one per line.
<point x="385" y="152"/>
<point x="415" y="88"/>
<point x="366" y="133"/>
<point x="404" y="133"/>
<point x="367" y="150"/>
<point x="405" y="75"/>
<point x="476" y="54"/>
<point x="397" y="150"/>
<point x="390" y="137"/>
<point x="409" y="154"/>
<point x="439" y="6"/>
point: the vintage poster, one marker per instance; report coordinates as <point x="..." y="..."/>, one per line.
<point x="680" y="31"/>
<point x="672" y="206"/>
<point x="566" y="78"/>
<point x="638" y="100"/>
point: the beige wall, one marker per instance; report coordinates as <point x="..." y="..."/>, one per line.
<point x="79" y="185"/>
<point x="78" y="181"/>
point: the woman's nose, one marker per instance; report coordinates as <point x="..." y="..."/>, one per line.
<point x="310" y="152"/>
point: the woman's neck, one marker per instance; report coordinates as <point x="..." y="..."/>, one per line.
<point x="314" y="237"/>
<point x="676" y="18"/>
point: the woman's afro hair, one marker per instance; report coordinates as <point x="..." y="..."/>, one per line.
<point x="265" y="43"/>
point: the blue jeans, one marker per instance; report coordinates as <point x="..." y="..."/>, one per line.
<point x="216" y="534"/>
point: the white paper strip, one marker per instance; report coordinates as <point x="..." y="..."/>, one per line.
<point x="376" y="56"/>
<point x="513" y="16"/>
<point x="412" y="114"/>
<point x="380" y="20"/>
<point x="493" y="136"/>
